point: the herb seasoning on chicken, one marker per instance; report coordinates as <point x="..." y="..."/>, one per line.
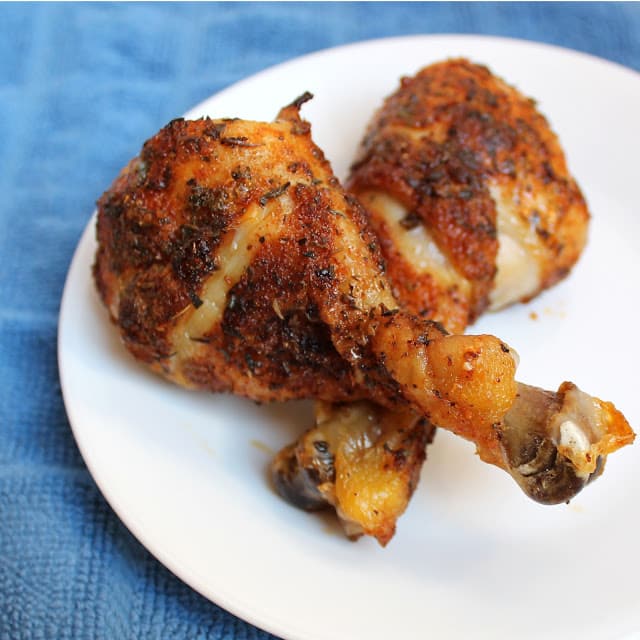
<point x="231" y="259"/>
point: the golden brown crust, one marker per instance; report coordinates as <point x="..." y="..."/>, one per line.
<point x="162" y="232"/>
<point x="232" y="260"/>
<point x="361" y="459"/>
<point x="451" y="144"/>
<point x="424" y="292"/>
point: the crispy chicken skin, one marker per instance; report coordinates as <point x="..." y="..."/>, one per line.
<point x="231" y="259"/>
<point x="361" y="459"/>
<point x="209" y="242"/>
<point x="469" y="192"/>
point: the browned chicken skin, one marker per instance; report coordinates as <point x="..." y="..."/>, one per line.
<point x="232" y="260"/>
<point x="361" y="459"/>
<point x="207" y="273"/>
<point x="468" y="191"/>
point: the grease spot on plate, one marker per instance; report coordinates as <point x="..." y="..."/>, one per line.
<point x="261" y="446"/>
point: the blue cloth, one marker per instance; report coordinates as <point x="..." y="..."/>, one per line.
<point x="81" y="85"/>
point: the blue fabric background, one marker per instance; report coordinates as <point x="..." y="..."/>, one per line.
<point x="81" y="85"/>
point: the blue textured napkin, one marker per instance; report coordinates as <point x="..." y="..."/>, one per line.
<point x="81" y="86"/>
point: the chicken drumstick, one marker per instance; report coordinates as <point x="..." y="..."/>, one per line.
<point x="468" y="191"/>
<point x="232" y="260"/>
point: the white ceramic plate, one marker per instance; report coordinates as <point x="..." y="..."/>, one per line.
<point x="473" y="558"/>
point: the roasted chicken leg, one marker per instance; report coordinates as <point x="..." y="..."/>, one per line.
<point x="232" y="260"/>
<point x="361" y="459"/>
<point x="468" y="191"/>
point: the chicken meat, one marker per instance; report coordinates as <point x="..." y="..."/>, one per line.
<point x="361" y="459"/>
<point x="231" y="259"/>
<point x="468" y="191"/>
